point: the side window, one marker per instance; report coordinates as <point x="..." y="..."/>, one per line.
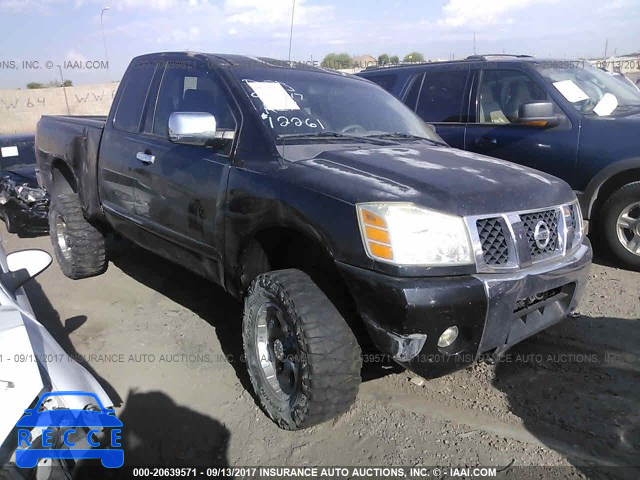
<point x="152" y="97"/>
<point x="411" y="98"/>
<point x="192" y="90"/>
<point x="134" y="95"/>
<point x="442" y="96"/>
<point x="502" y="92"/>
<point x="385" y="81"/>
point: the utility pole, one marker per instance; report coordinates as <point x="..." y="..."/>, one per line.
<point x="474" y="43"/>
<point x="64" y="89"/>
<point x="606" y="47"/>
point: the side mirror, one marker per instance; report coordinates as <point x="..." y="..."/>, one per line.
<point x="538" y="114"/>
<point x="192" y="128"/>
<point x="24" y="265"/>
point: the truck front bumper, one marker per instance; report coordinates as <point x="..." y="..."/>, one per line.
<point x="405" y="317"/>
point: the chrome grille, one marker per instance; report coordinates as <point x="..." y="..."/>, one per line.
<point x="551" y="219"/>
<point x="503" y="241"/>
<point x="495" y="248"/>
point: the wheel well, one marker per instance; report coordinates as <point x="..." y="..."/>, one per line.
<point x="62" y="178"/>
<point x="279" y="248"/>
<point x="613" y="184"/>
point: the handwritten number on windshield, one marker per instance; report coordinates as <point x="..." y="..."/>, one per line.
<point x="284" y="122"/>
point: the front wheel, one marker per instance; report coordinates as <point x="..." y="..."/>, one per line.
<point x="621" y="225"/>
<point x="303" y="359"/>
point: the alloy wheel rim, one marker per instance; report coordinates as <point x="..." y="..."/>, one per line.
<point x="61" y="237"/>
<point x="277" y="350"/>
<point x="628" y="226"/>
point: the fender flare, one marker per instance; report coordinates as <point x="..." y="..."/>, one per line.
<point x="286" y="218"/>
<point x="590" y="195"/>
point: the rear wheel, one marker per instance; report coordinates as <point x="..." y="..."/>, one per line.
<point x="304" y="362"/>
<point x="79" y="246"/>
<point x="621" y="225"/>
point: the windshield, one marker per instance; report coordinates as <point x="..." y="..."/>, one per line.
<point x="298" y="105"/>
<point x="589" y="89"/>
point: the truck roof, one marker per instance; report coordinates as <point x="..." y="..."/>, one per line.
<point x="234" y="60"/>
<point x="489" y="57"/>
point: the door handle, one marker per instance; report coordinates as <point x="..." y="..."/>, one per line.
<point x="146" y="157"/>
<point x="486" y="141"/>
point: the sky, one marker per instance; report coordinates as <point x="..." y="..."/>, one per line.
<point x="56" y="32"/>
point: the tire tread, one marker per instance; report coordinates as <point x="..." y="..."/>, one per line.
<point x="624" y="196"/>
<point x="332" y="351"/>
<point x="88" y="246"/>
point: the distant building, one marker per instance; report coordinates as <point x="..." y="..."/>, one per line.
<point x="360" y="62"/>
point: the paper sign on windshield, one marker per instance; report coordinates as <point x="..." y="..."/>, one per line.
<point x="273" y="96"/>
<point x="9" y="151"/>
<point x="607" y="104"/>
<point x="571" y="91"/>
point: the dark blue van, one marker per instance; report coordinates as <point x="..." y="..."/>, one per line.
<point x="563" y="117"/>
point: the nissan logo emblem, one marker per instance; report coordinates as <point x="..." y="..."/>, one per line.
<point x="542" y="235"/>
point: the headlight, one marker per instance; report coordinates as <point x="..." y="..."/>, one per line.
<point x="405" y="234"/>
<point x="29" y="194"/>
<point x="575" y="225"/>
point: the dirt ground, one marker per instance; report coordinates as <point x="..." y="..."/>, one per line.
<point x="167" y="346"/>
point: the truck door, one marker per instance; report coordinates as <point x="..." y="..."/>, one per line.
<point x="120" y="140"/>
<point x="440" y="97"/>
<point x="180" y="190"/>
<point x="494" y="130"/>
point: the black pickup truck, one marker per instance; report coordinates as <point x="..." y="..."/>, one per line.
<point x="324" y="203"/>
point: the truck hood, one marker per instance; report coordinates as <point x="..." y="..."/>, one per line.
<point x="22" y="175"/>
<point x="441" y="178"/>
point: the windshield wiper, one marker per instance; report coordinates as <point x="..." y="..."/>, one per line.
<point x="407" y="136"/>
<point x="329" y="134"/>
<point x="619" y="108"/>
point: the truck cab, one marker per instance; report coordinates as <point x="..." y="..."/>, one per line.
<point x="564" y="117"/>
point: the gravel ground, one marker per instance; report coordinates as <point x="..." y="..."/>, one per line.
<point x="568" y="397"/>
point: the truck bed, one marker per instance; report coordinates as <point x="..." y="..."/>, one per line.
<point x="89" y="120"/>
<point x="71" y="144"/>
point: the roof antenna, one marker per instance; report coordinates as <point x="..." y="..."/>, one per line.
<point x="293" y="11"/>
